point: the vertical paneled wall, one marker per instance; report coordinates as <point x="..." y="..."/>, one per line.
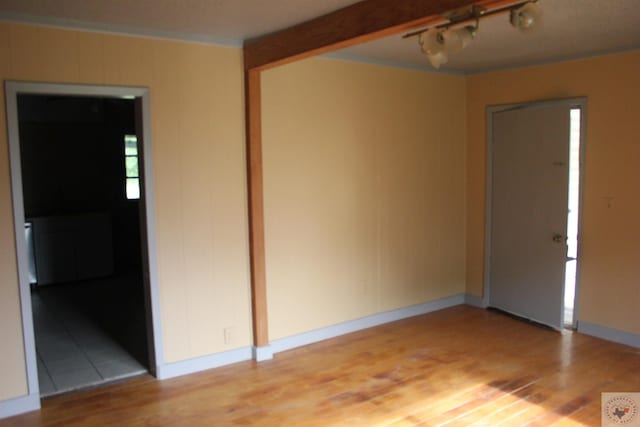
<point x="364" y="191"/>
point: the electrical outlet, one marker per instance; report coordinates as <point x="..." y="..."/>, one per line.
<point x="228" y="335"/>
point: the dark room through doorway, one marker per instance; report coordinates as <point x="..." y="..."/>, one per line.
<point x="81" y="170"/>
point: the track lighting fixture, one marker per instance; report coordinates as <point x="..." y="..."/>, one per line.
<point x="441" y="40"/>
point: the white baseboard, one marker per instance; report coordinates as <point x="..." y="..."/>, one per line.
<point x="190" y="366"/>
<point x="333" y="331"/>
<point x="19" y="405"/>
<point x="609" y="334"/>
<point x="475" y="301"/>
<point x="262" y="353"/>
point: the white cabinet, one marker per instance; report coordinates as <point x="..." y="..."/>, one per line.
<point x="72" y="247"/>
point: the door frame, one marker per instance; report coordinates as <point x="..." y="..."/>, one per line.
<point x="148" y="223"/>
<point x="580" y="102"/>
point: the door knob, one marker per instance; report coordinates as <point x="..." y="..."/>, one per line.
<point x="558" y="238"/>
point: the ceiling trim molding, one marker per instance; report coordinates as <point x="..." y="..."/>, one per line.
<point x="73" y="24"/>
<point x="556" y="61"/>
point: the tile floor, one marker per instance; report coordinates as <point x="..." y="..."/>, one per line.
<point x="73" y="350"/>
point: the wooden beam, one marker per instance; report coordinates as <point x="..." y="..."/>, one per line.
<point x="361" y="22"/>
<point x="256" y="208"/>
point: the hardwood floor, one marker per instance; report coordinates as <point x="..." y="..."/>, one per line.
<point x="457" y="367"/>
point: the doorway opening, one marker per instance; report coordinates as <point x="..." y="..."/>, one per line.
<point x="573" y="216"/>
<point x="84" y="239"/>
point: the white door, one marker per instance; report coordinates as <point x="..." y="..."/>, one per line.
<point x="529" y="190"/>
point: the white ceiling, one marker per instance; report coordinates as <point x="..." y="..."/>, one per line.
<point x="570" y="29"/>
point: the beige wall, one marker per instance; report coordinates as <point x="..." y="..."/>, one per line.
<point x="610" y="253"/>
<point x="200" y="187"/>
<point x="364" y="191"/>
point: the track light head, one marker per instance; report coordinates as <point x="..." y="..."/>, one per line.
<point x="437" y="44"/>
<point x="526" y="17"/>
<point x="457" y="39"/>
<point x="432" y="44"/>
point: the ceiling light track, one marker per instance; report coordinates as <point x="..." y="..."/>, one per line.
<point x="440" y="40"/>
